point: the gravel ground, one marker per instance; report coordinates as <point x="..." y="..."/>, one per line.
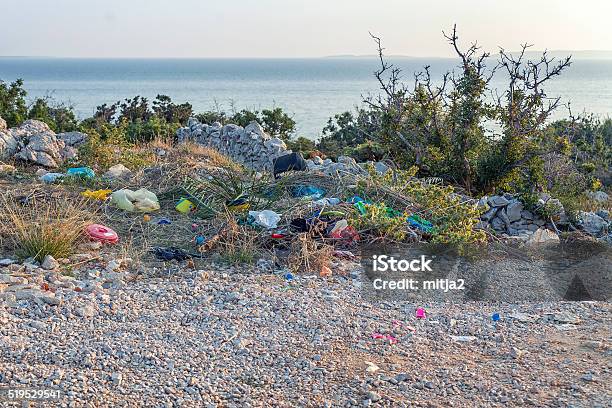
<point x="232" y="338"/>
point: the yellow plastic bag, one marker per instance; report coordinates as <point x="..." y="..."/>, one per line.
<point x="97" y="195"/>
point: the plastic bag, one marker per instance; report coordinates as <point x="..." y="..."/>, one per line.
<point x="308" y="192"/>
<point x="97" y="195"/>
<point x="266" y="218"/>
<point x="140" y="200"/>
<point x="50" y="178"/>
<point x="81" y="171"/>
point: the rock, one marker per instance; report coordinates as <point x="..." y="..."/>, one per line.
<point x="43" y="149"/>
<point x="381" y="168"/>
<point x="592" y="223"/>
<point x="371" y="367"/>
<point x="605" y="214"/>
<point x="7" y="262"/>
<point x="116" y="378"/>
<point x="513" y="210"/>
<point x="487" y="216"/>
<point x="498" y="201"/>
<point x="463" y="339"/>
<point x="87" y="310"/>
<point x="49" y="263"/>
<point x="12" y="280"/>
<point x="73" y="138"/>
<point x="373" y="396"/>
<point x="599" y="196"/>
<point x="118" y="171"/>
<point x="543" y="236"/>
<point x="2" y="124"/>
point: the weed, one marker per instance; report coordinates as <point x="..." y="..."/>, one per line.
<point x="41" y="226"/>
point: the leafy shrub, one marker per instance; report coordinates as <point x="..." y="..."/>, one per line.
<point x="59" y="116"/>
<point x="111" y="145"/>
<point x="379" y="223"/>
<point x="454" y="217"/>
<point x="13" y="107"/>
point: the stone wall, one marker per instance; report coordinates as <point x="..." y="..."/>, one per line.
<point x="250" y="145"/>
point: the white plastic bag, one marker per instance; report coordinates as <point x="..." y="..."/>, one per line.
<point x="266" y="218"/>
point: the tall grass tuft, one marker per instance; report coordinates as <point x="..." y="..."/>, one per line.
<point x="37" y="226"/>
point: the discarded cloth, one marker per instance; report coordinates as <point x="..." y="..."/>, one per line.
<point x="292" y="161"/>
<point x="171" y="253"/>
<point x="327" y="202"/>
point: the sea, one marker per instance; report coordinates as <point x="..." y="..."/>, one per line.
<point x="310" y="90"/>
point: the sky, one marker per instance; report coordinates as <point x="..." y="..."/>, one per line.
<point x="294" y="28"/>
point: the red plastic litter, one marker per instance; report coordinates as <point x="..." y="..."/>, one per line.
<point x="101" y="233"/>
<point x="278" y="236"/>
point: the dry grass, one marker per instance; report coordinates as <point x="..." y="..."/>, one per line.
<point x="42" y="224"/>
<point x="309" y="255"/>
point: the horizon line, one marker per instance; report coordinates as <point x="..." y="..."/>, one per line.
<point x="571" y="52"/>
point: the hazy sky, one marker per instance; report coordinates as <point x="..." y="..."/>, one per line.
<point x="293" y="28"/>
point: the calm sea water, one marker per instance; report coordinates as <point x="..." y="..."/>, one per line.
<point x="311" y="90"/>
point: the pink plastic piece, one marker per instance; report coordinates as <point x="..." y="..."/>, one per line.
<point x="101" y="233"/>
<point x="420" y="313"/>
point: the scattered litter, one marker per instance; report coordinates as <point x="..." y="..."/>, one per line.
<point x="327" y="202"/>
<point x="495" y="317"/>
<point x="101" y="195"/>
<point x="420" y="313"/>
<point x="463" y="339"/>
<point x="325" y="272"/>
<point x="85" y="172"/>
<point x="308" y="192"/>
<point x="172" y="253"/>
<point x="101" y="233"/>
<point x="266" y="218"/>
<point x="146" y="218"/>
<point x="140" y="200"/>
<point x="344" y="254"/>
<point x="50" y="178"/>
<point x="164" y="221"/>
<point x="292" y="161"/>
<point x="371" y="367"/>
<point x="521" y="317"/>
<point x="239" y="204"/>
<point x="420" y="223"/>
<point x="392" y="339"/>
<point x="184" y="206"/>
<point x="288" y="276"/>
<point x="277" y="236"/>
<point x="199" y="240"/>
<point x="194" y="227"/>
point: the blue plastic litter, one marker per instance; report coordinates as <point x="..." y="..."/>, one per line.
<point x="81" y="171"/>
<point x="420" y="223"/>
<point x="200" y="240"/>
<point x="164" y="221"/>
<point x="308" y="191"/>
<point x="289" y="276"/>
<point x="495" y="317"/>
<point x="356" y="199"/>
